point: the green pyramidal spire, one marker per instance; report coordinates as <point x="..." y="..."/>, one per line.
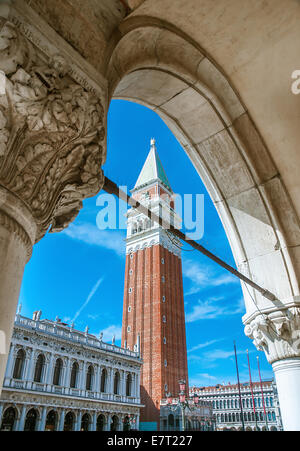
<point x="152" y="170"/>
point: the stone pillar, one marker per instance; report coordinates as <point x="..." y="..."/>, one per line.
<point x="49" y="370"/>
<point x="66" y="382"/>
<point x="42" y="422"/>
<point x="137" y="424"/>
<point x="287" y="376"/>
<point x="110" y="380"/>
<point x="52" y="145"/>
<point x="31" y="368"/>
<point x="62" y="420"/>
<point x="278" y="334"/>
<point x="10" y="363"/>
<point x="1" y="413"/>
<point x="94" y="422"/>
<point x="21" y="423"/>
<point x="83" y="377"/>
<point x="78" y="421"/>
<point x="97" y="380"/>
<point x="108" y="422"/>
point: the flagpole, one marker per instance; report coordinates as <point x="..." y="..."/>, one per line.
<point x="251" y="388"/>
<point x="262" y="394"/>
<point x="238" y="379"/>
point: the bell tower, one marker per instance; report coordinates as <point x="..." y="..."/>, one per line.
<point x="153" y="308"/>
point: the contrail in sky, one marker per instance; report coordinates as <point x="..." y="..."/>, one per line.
<point x="91" y="294"/>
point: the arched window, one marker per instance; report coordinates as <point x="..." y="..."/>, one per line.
<point x="271" y="402"/>
<point x="273" y="416"/>
<point x="100" y="423"/>
<point x="19" y="364"/>
<point x="74" y="375"/>
<point x="103" y="380"/>
<point x="114" y="423"/>
<point x="51" y="421"/>
<point x="69" y="421"/>
<point x="8" y="419"/>
<point x="85" y="422"/>
<point x="128" y="385"/>
<point x="116" y="382"/>
<point x="89" y="378"/>
<point x="39" y="366"/>
<point x="31" y="420"/>
<point x="57" y="372"/>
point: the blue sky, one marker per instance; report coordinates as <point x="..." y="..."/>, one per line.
<point x="78" y="274"/>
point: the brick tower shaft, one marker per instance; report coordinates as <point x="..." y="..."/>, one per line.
<point x="153" y="309"/>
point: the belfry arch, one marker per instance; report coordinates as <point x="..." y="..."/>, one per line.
<point x="197" y="67"/>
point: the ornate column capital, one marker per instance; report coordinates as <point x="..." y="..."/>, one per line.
<point x="276" y="333"/>
<point x="52" y="132"/>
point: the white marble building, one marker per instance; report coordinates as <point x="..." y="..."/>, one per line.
<point x="58" y="378"/>
<point x="227" y="411"/>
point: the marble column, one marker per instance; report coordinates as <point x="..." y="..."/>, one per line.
<point x="278" y="334"/>
<point x="10" y="364"/>
<point x="21" y="423"/>
<point x="62" y="420"/>
<point x="42" y="422"/>
<point x="108" y="422"/>
<point x="78" y="421"/>
<point x="49" y="161"/>
<point x="94" y="422"/>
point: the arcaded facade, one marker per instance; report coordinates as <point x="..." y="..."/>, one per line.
<point x="58" y="378"/>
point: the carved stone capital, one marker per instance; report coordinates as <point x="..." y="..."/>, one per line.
<point x="278" y="334"/>
<point x="52" y="133"/>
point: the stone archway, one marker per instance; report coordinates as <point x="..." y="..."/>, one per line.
<point x="202" y="81"/>
<point x="167" y="72"/>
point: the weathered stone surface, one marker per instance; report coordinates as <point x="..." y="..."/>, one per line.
<point x="226" y="164"/>
<point x="248" y="137"/>
<point x="195" y="115"/>
<point x="153" y="86"/>
<point x="253" y="223"/>
<point x="52" y="143"/>
<point x="217" y="83"/>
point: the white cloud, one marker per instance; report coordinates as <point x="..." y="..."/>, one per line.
<point x="111" y="331"/>
<point x="202" y="379"/>
<point x="221" y="354"/>
<point x="90" y="234"/>
<point x="204" y="345"/>
<point x="202" y="276"/>
<point x="209" y="309"/>
<point x="90" y="295"/>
